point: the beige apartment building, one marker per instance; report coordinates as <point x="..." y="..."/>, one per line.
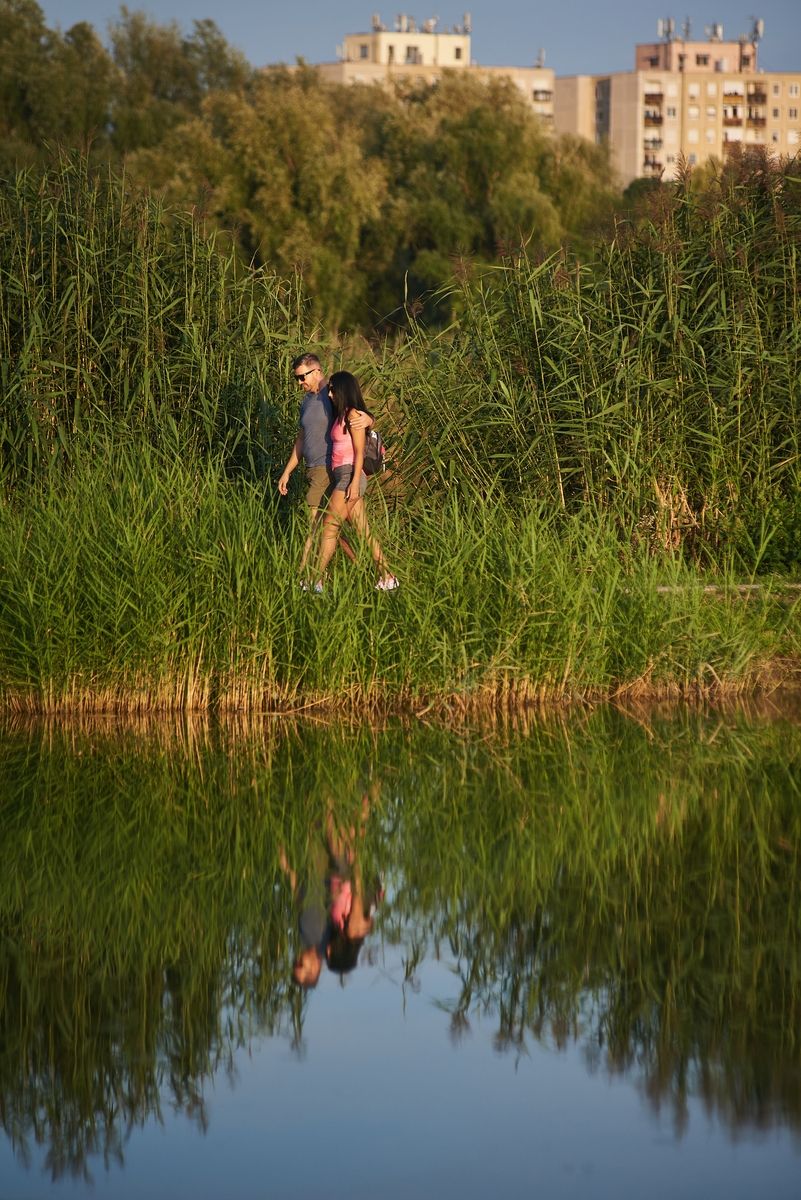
<point x="421" y="51"/>
<point x="684" y="98"/>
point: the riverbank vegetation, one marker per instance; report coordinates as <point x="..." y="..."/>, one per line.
<point x="583" y="436"/>
<point x="573" y="459"/>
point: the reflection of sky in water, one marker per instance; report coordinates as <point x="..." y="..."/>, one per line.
<point x="382" y="1103"/>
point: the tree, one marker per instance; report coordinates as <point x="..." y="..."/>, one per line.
<point x="165" y="76"/>
<point x="274" y="165"/>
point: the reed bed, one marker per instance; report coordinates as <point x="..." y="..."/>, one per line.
<point x="143" y="582"/>
<point x="583" y="453"/>
<point x="122" y="320"/>
<point x="658" y="383"/>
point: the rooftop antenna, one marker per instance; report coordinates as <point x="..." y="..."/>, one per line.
<point x="467" y="23"/>
<point x="540" y="59"/>
<point x="686" y="29"/>
<point x="758" y="30"/>
<point x="665" y="27"/>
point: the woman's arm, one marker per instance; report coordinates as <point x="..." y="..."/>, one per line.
<point x="357" y="437"/>
<point x="360" y="418"/>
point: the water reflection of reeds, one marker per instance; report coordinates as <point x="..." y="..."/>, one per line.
<point x="629" y="882"/>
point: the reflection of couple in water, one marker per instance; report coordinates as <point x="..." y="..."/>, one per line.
<point x="335" y="913"/>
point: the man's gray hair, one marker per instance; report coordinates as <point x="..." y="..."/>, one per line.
<point x="306" y="360"/>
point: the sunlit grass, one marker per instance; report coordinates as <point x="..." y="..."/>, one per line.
<point x="141" y="582"/>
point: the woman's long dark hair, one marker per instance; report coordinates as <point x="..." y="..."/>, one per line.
<point x="347" y="394"/>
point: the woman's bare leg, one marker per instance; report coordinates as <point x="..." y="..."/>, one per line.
<point x="334" y="515"/>
<point x="356" y="514"/>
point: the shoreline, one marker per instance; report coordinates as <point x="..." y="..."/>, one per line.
<point x="778" y="677"/>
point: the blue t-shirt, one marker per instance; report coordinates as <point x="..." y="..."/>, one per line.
<point x="316" y="415"/>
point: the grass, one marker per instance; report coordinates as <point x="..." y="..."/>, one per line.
<point x="144" y="583"/>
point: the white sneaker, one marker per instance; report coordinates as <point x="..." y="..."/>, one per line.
<point x="387" y="584"/>
<point x="318" y="587"/>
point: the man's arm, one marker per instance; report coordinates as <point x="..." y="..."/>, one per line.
<point x="294" y="459"/>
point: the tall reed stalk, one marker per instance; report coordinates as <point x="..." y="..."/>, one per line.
<point x="659" y="383"/>
<point x="121" y="320"/>
<point x="146" y="581"/>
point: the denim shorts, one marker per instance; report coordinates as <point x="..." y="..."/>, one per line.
<point x="342" y="477"/>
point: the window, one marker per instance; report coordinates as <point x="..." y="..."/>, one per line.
<point x="710" y="136"/>
<point x="671" y="158"/>
<point x="672" y="89"/>
<point x="692" y="159"/>
<point x="777" y="89"/>
<point x="457" y="52"/>
<point x="775" y="114"/>
<point x="792" y="137"/>
<point x="792" y="113"/>
<point x="746" y="60"/>
<point x="711" y="89"/>
<point x="412" y="54"/>
<point x="693" y="91"/>
<point x="670" y="111"/>
<point x="692" y="136"/>
<point x="702" y="60"/>
<point x="793" y="90"/>
<point x="774" y="137"/>
<point x="711" y="111"/>
<point x="364" y="51"/>
<point x="693" y="112"/>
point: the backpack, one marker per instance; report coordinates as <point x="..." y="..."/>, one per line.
<point x="374" y="451"/>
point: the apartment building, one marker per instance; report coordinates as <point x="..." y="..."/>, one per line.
<point x="414" y="50"/>
<point x="684" y="98"/>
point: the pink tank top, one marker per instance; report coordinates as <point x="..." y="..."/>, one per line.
<point x="341" y="445"/>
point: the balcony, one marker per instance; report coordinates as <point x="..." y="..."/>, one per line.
<point x="653" y="97"/>
<point x="757" y="97"/>
<point x="755" y="122"/>
<point x="653" y="119"/>
<point x="542" y="96"/>
<point x="652" y="143"/>
<point x="737" y="97"/>
<point x="733" y="122"/>
<point x="652" y="165"/>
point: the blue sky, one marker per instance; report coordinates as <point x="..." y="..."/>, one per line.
<point x="578" y="36"/>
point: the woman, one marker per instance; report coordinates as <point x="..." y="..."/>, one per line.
<point x="347" y="456"/>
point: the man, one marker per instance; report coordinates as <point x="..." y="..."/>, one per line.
<point x="313" y="445"/>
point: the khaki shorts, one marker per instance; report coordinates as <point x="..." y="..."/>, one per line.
<point x="320" y="485"/>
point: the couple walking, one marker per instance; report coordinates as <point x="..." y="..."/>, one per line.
<point x="332" y="426"/>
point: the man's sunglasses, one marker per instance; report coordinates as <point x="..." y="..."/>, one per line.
<point x="302" y="376"/>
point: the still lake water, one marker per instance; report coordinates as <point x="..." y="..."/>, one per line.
<point x="557" y="957"/>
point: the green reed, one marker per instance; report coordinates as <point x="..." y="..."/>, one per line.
<point x="119" y="319"/>
<point x="567" y="461"/>
<point x="659" y="382"/>
<point x="142" y="581"/>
